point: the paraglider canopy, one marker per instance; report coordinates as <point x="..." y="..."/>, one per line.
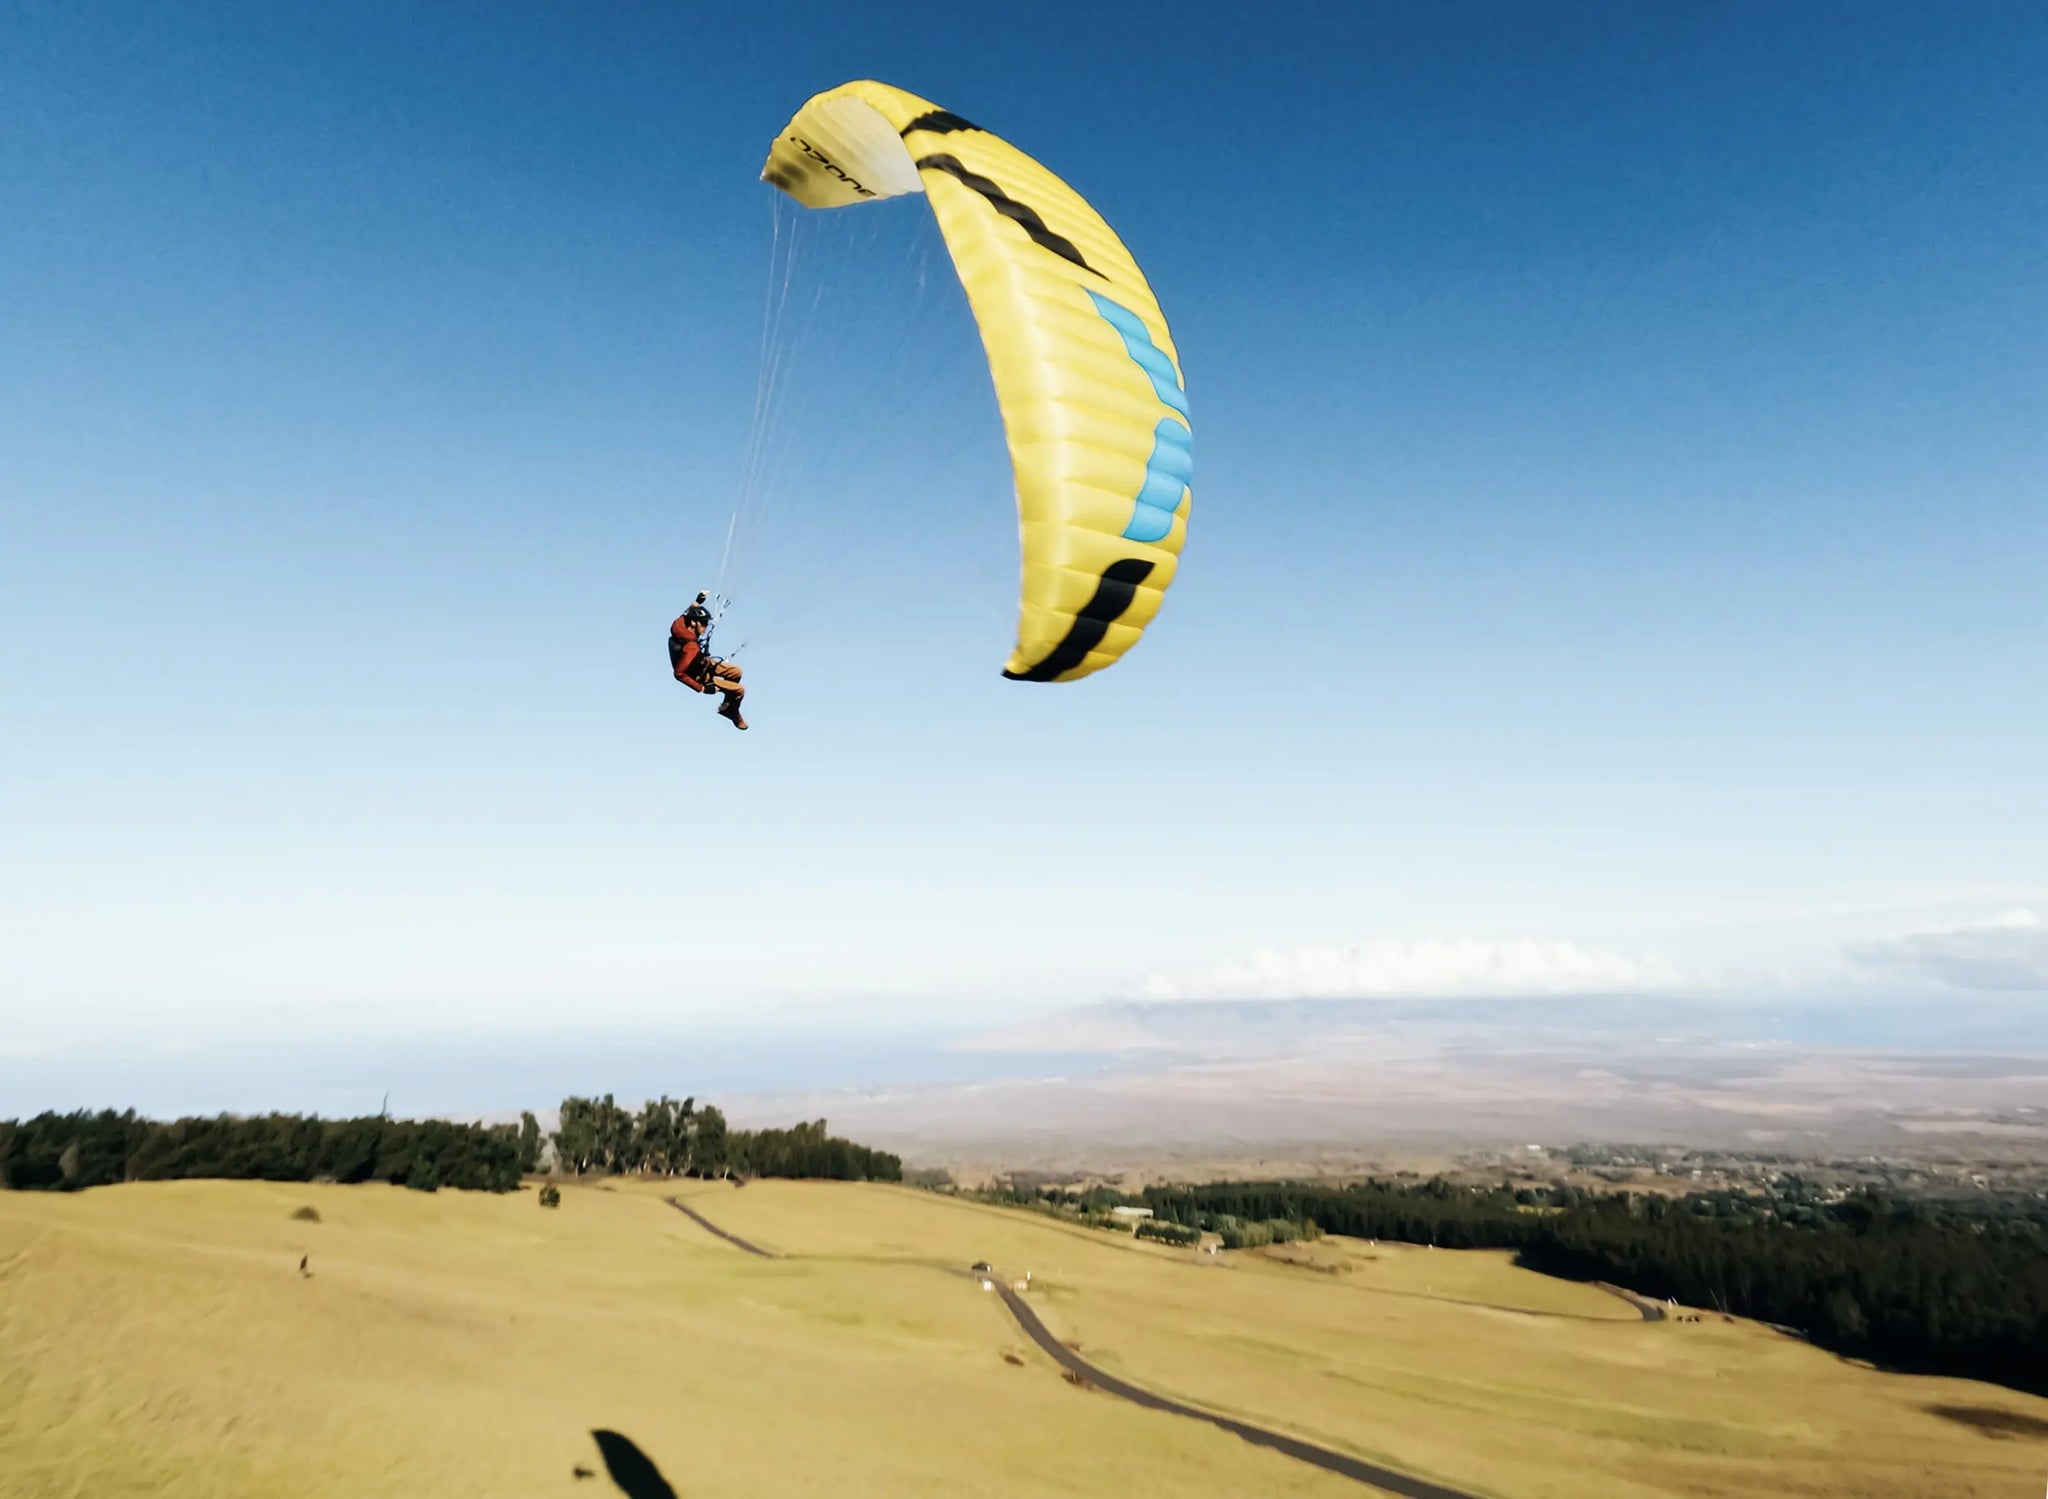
<point x="1086" y="375"/>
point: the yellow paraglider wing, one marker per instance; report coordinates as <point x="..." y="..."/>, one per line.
<point x="1085" y="370"/>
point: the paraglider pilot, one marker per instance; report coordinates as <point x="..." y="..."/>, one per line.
<point x="700" y="671"/>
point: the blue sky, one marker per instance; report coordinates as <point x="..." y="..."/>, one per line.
<point x="1620" y="521"/>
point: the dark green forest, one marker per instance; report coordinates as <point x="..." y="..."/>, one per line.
<point x="71" y="1152"/>
<point x="1903" y="1285"/>
<point x="667" y="1138"/>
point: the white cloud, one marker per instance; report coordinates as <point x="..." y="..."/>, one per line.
<point x="1431" y="968"/>
<point x="2007" y="953"/>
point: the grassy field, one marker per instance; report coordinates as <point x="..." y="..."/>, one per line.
<point x="160" y="1339"/>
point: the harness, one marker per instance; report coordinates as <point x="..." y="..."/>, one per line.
<point x="704" y="670"/>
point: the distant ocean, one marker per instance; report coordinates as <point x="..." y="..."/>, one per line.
<point x="493" y="1075"/>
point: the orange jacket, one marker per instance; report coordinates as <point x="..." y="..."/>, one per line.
<point x="686" y="655"/>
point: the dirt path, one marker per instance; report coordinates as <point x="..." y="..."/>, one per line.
<point x="1650" y="1310"/>
<point x="709" y="1227"/>
<point x="1356" y="1469"/>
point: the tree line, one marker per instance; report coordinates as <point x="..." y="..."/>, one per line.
<point x="1093" y="1207"/>
<point x="669" y="1138"/>
<point x="1905" y="1285"/>
<point x="70" y="1152"/>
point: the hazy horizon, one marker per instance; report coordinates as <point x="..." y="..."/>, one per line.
<point x="1299" y="1070"/>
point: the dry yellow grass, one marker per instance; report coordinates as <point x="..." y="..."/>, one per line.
<point x="1486" y="1277"/>
<point x="158" y="1339"/>
<point x="1545" y="1391"/>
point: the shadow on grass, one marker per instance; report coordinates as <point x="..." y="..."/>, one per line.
<point x="1992" y="1421"/>
<point x="631" y="1469"/>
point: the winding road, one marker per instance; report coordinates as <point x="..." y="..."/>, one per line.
<point x="1651" y="1312"/>
<point x="1354" y="1468"/>
<point x="1342" y="1464"/>
<point x="712" y="1228"/>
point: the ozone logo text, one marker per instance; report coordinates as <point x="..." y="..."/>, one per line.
<point x="831" y="166"/>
